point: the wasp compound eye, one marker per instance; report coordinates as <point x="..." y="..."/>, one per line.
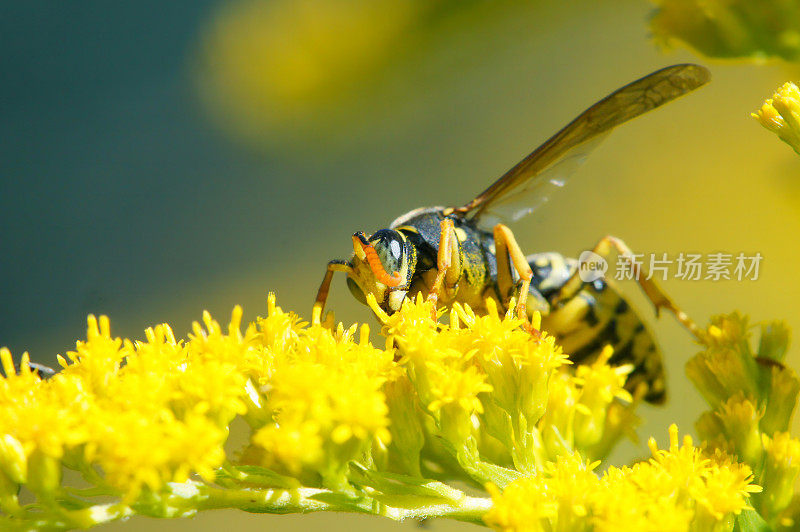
<point x="390" y="248"/>
<point x="365" y="251"/>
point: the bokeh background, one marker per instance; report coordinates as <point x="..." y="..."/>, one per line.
<point x="162" y="158"/>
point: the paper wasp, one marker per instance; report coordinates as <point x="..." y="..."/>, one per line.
<point x="461" y="254"/>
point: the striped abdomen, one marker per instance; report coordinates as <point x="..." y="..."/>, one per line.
<point x="596" y="316"/>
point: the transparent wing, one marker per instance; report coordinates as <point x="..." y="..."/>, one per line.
<point x="523" y="200"/>
<point x="526" y="186"/>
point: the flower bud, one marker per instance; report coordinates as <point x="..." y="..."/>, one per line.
<point x="781" y="400"/>
<point x="404" y="425"/>
<point x="13" y="461"/>
<point x="781" y="469"/>
<point x="44" y="474"/>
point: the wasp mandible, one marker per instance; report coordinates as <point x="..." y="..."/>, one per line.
<point x="464" y="254"/>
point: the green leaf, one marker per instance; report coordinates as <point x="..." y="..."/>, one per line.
<point x="399" y="484"/>
<point x="751" y="521"/>
<point x="257" y="475"/>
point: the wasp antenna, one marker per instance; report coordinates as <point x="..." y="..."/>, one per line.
<point x="359" y="242"/>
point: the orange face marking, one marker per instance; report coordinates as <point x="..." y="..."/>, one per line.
<point x="377" y="268"/>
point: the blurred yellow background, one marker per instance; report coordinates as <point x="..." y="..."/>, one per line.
<point x="169" y="158"/>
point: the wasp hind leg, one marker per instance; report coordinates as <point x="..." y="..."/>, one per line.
<point x="654" y="293"/>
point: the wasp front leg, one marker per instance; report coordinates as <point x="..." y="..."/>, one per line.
<point x="506" y="248"/>
<point x="325" y="286"/>
<point x="448" y="263"/>
<point x="654" y="293"/>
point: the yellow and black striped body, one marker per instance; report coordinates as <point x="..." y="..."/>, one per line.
<point x="595" y="316"/>
<point x="584" y="322"/>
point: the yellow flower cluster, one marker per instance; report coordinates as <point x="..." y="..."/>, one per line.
<point x="134" y="416"/>
<point x="337" y="424"/>
<point x="781" y="114"/>
<point x="145" y="413"/>
<point x="324" y="395"/>
<point x="677" y="489"/>
<point x="730" y="28"/>
<point x="589" y="411"/>
<point x="752" y="396"/>
<point x="496" y="392"/>
<point x="473" y="366"/>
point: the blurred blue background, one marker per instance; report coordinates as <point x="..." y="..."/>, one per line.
<point x="158" y="159"/>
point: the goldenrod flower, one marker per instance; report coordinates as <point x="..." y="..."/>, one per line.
<point x="600" y="386"/>
<point x="781" y="114"/>
<point x="781" y="470"/>
<point x="740" y="424"/>
<point x="557" y="424"/>
<point x="784" y="387"/>
<point x="292" y="447"/>
<point x="727" y="367"/>
<point x="137" y="451"/>
<point x="752" y="400"/>
<point x="589" y="411"/>
<point x="727" y="330"/>
<point x="522" y="505"/>
<point x="406" y="429"/>
<point x="323" y="394"/>
<point x="338" y="424"/>
<point x="678" y="489"/>
<point x="486" y="366"/>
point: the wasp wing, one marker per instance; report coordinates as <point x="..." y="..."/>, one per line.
<point x="549" y="165"/>
<point x="521" y="201"/>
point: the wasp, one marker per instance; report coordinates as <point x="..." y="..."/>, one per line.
<point x="466" y="254"/>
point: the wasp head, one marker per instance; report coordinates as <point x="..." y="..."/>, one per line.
<point x="382" y="265"/>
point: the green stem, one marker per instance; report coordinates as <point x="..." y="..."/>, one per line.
<point x="68" y="519"/>
<point x="277" y="501"/>
<point x="470" y="509"/>
<point x="306" y="500"/>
